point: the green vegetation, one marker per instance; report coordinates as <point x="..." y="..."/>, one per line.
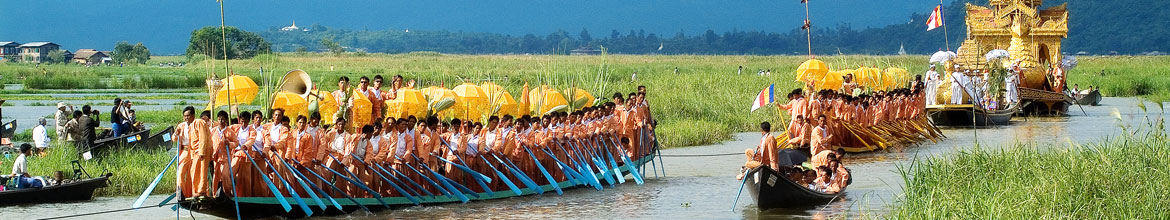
<point x="1143" y="76"/>
<point x="124" y="52"/>
<point x="1117" y="178"/>
<point x="133" y="169"/>
<point x="241" y="44"/>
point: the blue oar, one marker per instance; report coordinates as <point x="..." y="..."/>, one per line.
<point x="464" y="167"/>
<point x="548" y="176"/>
<point x="310" y="187"/>
<point x="659" y="151"/>
<point x="570" y="175"/>
<point x="275" y="192"/>
<point x="357" y="183"/>
<point x="629" y="164"/>
<point x="235" y="201"/>
<point x="428" y="179"/>
<point x="291" y="191"/>
<point x="392" y="184"/>
<point x="474" y="174"/>
<point x="457" y="187"/>
<point x="406" y="179"/>
<point x="335" y="189"/>
<point x="617" y="172"/>
<point x="568" y="169"/>
<point x="150" y="188"/>
<point x="583" y="167"/>
<point x="446" y="182"/>
<point x="502" y="177"/>
<point x="520" y="175"/>
<point x="741" y="184"/>
<point x="599" y="164"/>
<point x="168" y="199"/>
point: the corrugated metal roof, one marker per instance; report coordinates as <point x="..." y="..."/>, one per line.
<point x="36" y="44"/>
<point x="6" y="43"/>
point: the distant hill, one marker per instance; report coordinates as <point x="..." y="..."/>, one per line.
<point x="1097" y="27"/>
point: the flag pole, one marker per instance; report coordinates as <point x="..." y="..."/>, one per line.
<point x="944" y="24"/>
<point x="808" y="28"/>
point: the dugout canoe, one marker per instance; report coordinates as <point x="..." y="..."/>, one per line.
<point x="968" y="115"/>
<point x="9" y="129"/>
<point x="137" y="140"/>
<point x="1092" y="98"/>
<point x="76" y="191"/>
<point x="262" y="207"/>
<point x="771" y="189"/>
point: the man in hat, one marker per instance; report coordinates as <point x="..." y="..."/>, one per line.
<point x="61" y="118"/>
<point x="957" y="86"/>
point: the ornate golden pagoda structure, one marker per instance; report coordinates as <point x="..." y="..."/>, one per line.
<point x="1031" y="35"/>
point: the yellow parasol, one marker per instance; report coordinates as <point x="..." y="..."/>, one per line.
<point x="362" y="111"/>
<point x="470" y="101"/>
<point x="242" y="89"/>
<point x="439" y="101"/>
<point x="327" y="107"/>
<point x="292" y="104"/>
<point x="581" y="99"/>
<point x="811" y="69"/>
<point x="523" y="106"/>
<point x="553" y="101"/>
<point x="501" y="102"/>
<point x="536" y="97"/>
<point x="408" y="102"/>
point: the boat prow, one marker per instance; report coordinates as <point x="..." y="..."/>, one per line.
<point x="770" y="190"/>
<point x="968" y="115"/>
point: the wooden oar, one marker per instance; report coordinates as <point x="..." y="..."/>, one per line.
<point x="548" y="176"/>
<point x="387" y="180"/>
<point x="150" y="188"/>
<point x="235" y="201"/>
<point x="291" y="191"/>
<point x="304" y="180"/>
<point x="476" y="176"/>
<point x="502" y="177"/>
<point x="629" y="163"/>
<point x="428" y="179"/>
<point x="520" y="175"/>
<point x="405" y="179"/>
<point x="275" y="192"/>
<point x="600" y="164"/>
<point x="335" y="188"/>
<point x="617" y="172"/>
<point x="444" y="181"/>
<point x="357" y="183"/>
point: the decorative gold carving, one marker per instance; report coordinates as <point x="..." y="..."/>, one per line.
<point x="1021" y="28"/>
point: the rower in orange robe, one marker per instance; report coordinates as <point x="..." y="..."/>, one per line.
<point x="275" y="138"/>
<point x="820" y="137"/>
<point x="333" y="144"/>
<point x="221" y="135"/>
<point x="241" y="140"/>
<point x="199" y="140"/>
<point x="304" y="147"/>
<point x="182" y="133"/>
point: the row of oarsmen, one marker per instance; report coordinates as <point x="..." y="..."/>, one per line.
<point x="237" y="154"/>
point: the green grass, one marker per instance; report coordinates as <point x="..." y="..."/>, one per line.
<point x="1119" y="178"/>
<point x="1143" y="76"/>
<point x="133" y="169"/>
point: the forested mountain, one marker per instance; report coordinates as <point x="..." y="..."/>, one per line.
<point x="1129" y="27"/>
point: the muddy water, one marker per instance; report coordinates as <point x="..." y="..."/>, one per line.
<point x="705" y="187"/>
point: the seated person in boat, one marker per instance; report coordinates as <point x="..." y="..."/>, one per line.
<point x="840" y="177"/>
<point x="20" y="170"/>
<point x="824" y="178"/>
<point x="58" y="179"/>
<point x="764" y="154"/>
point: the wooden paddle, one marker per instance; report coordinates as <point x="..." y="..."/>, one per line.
<point x="387" y="180"/>
<point x="548" y="176"/>
<point x="335" y="188"/>
<point x="150" y="188"/>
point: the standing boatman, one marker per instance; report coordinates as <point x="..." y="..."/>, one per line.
<point x="931" y="86"/>
<point x="956" y="86"/>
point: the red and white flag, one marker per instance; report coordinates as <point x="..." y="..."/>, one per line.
<point x="936" y="19"/>
<point x="764" y="98"/>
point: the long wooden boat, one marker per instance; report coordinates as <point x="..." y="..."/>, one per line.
<point x="1092" y="98"/>
<point x="260" y="207"/>
<point x="771" y="189"/>
<point x="76" y="191"/>
<point x="137" y="140"/>
<point x="9" y="129"/>
<point x="968" y="115"/>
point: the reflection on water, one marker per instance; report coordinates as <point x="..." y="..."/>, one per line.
<point x="705" y="187"/>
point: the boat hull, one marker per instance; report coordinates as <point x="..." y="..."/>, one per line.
<point x="9" y="129"/>
<point x="771" y="190"/>
<point x="137" y="140"/>
<point x="1093" y="98"/>
<point x="76" y="191"/>
<point x="259" y="207"/>
<point x="966" y="116"/>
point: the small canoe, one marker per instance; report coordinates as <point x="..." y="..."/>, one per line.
<point x="1092" y="98"/>
<point x="76" y="191"/>
<point x="771" y="189"/>
<point x="137" y="140"/>
<point x="968" y="115"/>
<point x="8" y="130"/>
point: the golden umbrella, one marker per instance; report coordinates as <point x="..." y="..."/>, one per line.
<point x="470" y="101"/>
<point x="362" y="111"/>
<point x="328" y="106"/>
<point x="242" y="89"/>
<point x="292" y="104"/>
<point x="408" y="102"/>
<point x="523" y="107"/>
<point x="553" y="101"/>
<point x="536" y="97"/>
<point x="439" y="100"/>
<point x="811" y="69"/>
<point x="581" y="98"/>
<point x="501" y="102"/>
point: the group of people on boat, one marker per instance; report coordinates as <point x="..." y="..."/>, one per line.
<point x="255" y="153"/>
<point x="828" y="118"/>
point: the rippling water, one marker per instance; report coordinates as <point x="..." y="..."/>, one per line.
<point x="705" y="187"/>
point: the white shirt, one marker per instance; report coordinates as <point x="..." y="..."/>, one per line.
<point x="400" y="151"/>
<point x="40" y="136"/>
<point x="20" y="165"/>
<point x="243" y="135"/>
<point x="339" y="142"/>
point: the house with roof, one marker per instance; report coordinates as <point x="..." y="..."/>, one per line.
<point x="37" y="51"/>
<point x="90" y="57"/>
<point x="9" y="50"/>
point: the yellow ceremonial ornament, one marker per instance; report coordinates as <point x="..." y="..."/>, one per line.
<point x="536" y="98"/>
<point x="362" y="111"/>
<point x="408" y="102"/>
<point x="811" y="69"/>
<point x="292" y="104"/>
<point x="242" y="89"/>
<point x="501" y="102"/>
<point x="834" y="80"/>
<point x="328" y="107"/>
<point x="552" y="101"/>
<point x="522" y="106"/>
<point x="582" y="99"/>
<point x="439" y="101"/>
<point x="470" y="102"/>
